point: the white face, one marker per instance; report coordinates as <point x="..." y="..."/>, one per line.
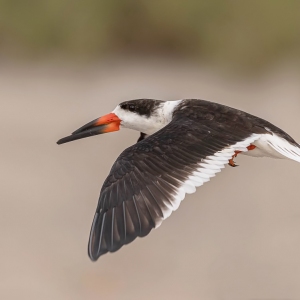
<point x="149" y="125"/>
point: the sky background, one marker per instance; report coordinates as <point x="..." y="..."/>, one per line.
<point x="64" y="63"/>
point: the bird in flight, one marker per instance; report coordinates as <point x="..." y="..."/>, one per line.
<point x="182" y="144"/>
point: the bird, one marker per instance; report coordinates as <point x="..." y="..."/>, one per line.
<point x="182" y="144"/>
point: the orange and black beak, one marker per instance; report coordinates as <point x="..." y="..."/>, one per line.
<point x="107" y="123"/>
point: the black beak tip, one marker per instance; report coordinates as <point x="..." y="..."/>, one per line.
<point x="64" y="140"/>
<point x="82" y="134"/>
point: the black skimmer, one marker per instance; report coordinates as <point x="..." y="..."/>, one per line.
<point x="181" y="146"/>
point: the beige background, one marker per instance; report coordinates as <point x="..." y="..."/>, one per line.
<point x="237" y="237"/>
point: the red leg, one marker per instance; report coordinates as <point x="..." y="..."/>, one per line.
<point x="231" y="161"/>
<point x="251" y="147"/>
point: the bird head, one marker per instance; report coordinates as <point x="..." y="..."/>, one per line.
<point x="144" y="115"/>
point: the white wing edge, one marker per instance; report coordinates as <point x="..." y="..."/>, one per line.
<point x="207" y="169"/>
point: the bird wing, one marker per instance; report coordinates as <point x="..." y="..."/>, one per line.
<point x="150" y="179"/>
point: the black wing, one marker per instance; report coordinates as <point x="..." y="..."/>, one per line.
<point x="146" y="182"/>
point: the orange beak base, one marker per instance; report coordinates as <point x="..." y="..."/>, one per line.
<point x="107" y="123"/>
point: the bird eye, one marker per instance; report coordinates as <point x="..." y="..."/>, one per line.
<point x="131" y="107"/>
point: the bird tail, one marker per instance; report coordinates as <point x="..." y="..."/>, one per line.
<point x="281" y="147"/>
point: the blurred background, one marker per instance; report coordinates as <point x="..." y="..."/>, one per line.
<point x="64" y="63"/>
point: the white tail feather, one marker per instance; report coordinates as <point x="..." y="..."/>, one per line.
<point x="273" y="145"/>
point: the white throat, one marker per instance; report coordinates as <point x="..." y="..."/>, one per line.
<point x="149" y="125"/>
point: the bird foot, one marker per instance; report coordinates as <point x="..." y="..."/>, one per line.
<point x="231" y="163"/>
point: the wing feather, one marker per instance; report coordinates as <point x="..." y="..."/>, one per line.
<point x="150" y="179"/>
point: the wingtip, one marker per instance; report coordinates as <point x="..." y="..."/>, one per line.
<point x="94" y="254"/>
<point x="92" y="258"/>
<point x="94" y="245"/>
